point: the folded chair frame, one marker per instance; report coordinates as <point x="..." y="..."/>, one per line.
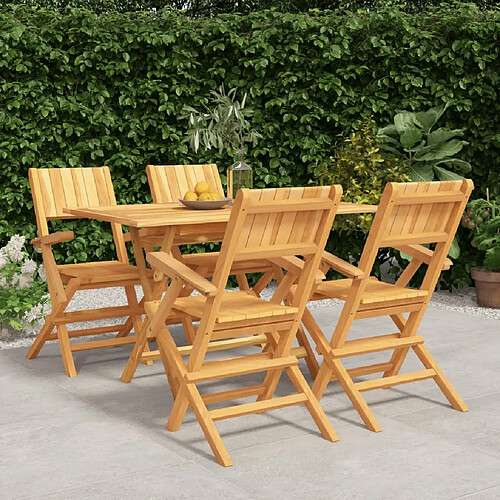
<point x="53" y="190"/>
<point x="254" y="322"/>
<point x="408" y="216"/>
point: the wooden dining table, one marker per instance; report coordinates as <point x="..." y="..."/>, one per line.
<point x="171" y="224"/>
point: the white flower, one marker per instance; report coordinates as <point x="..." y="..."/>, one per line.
<point x="47" y="307"/>
<point x="15" y="243"/>
<point x="24" y="281"/>
<point x="33" y="314"/>
<point x="41" y="273"/>
<point x="15" y="254"/>
<point x="28" y="267"/>
<point x="3" y="260"/>
<point x="3" y="282"/>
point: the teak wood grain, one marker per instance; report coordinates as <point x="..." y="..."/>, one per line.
<point x="53" y="190"/>
<point x="409" y="215"/>
<point x="228" y="319"/>
<point x="175" y="218"/>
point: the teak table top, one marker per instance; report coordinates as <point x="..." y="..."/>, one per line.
<point x="176" y="214"/>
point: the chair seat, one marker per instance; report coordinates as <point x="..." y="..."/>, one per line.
<point x="99" y="272"/>
<point x="375" y="291"/>
<point x="236" y="306"/>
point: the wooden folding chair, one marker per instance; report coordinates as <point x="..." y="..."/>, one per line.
<point x="53" y="189"/>
<point x="277" y="224"/>
<point x="409" y="216"/>
<point x="168" y="183"/>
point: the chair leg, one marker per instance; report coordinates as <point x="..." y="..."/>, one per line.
<point x="241" y="278"/>
<point x="188" y="395"/>
<point x="178" y="411"/>
<point x="317" y="413"/>
<point x="322" y="380"/>
<point x="441" y="380"/>
<point x="65" y="346"/>
<point x="132" y="321"/>
<point x="57" y="307"/>
<point x="41" y="338"/>
<point x="334" y="367"/>
<point x="135" y="355"/>
<point x="207" y="425"/>
<point x="311" y="361"/>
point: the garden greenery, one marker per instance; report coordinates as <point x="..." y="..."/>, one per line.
<point x="214" y="7"/>
<point x="23" y="290"/>
<point x="363" y="170"/>
<point x="81" y="89"/>
<point x="482" y="218"/>
<point x="428" y="151"/>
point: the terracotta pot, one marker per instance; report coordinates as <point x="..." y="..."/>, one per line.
<point x="487" y="286"/>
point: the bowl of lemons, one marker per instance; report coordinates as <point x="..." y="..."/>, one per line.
<point x="203" y="198"/>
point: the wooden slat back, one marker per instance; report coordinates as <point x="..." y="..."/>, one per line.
<point x="54" y="189"/>
<point x="417" y="213"/>
<point x="288" y="217"/>
<point x="57" y="188"/>
<point x="168" y="183"/>
<point x="263" y="224"/>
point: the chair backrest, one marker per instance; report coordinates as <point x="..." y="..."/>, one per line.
<point x="418" y="213"/>
<point x="282" y="222"/>
<point x="168" y="183"/>
<point x="54" y="189"/>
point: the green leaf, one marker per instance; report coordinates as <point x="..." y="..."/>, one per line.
<point x="454" y="252"/>
<point x="492" y="258"/>
<point x="429" y="118"/>
<point x="410" y="137"/>
<point x="446" y="175"/>
<point x="442" y="150"/>
<point x="464" y="166"/>
<point x="336" y="51"/>
<point x="388" y="130"/>
<point x="404" y="121"/>
<point x="421" y="172"/>
<point x="443" y="134"/>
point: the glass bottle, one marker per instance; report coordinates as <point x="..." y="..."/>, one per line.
<point x="239" y="175"/>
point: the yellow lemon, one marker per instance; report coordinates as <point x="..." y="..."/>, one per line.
<point x="202" y="187"/>
<point x="191" y="196"/>
<point x="215" y="196"/>
<point x="204" y="197"/>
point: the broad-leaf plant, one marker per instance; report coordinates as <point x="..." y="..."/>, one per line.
<point x="429" y="152"/>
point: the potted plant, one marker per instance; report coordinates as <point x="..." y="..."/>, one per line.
<point x="482" y="218"/>
<point x="224" y="125"/>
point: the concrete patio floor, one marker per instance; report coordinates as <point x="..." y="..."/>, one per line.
<point x="96" y="437"/>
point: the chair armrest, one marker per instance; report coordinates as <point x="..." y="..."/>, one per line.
<point x="294" y="264"/>
<point x="422" y="254"/>
<point x="52" y="239"/>
<point x="342" y="266"/>
<point x="172" y="267"/>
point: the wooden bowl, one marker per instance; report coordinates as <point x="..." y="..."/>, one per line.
<point x="205" y="204"/>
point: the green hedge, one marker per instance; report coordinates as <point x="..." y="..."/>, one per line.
<point x="79" y="89"/>
<point x="206" y="8"/>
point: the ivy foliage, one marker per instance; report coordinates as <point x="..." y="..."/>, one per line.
<point x="81" y="89"/>
<point x="205" y="8"/>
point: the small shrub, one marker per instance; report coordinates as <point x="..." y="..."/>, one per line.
<point x="23" y="291"/>
<point x="362" y="170"/>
